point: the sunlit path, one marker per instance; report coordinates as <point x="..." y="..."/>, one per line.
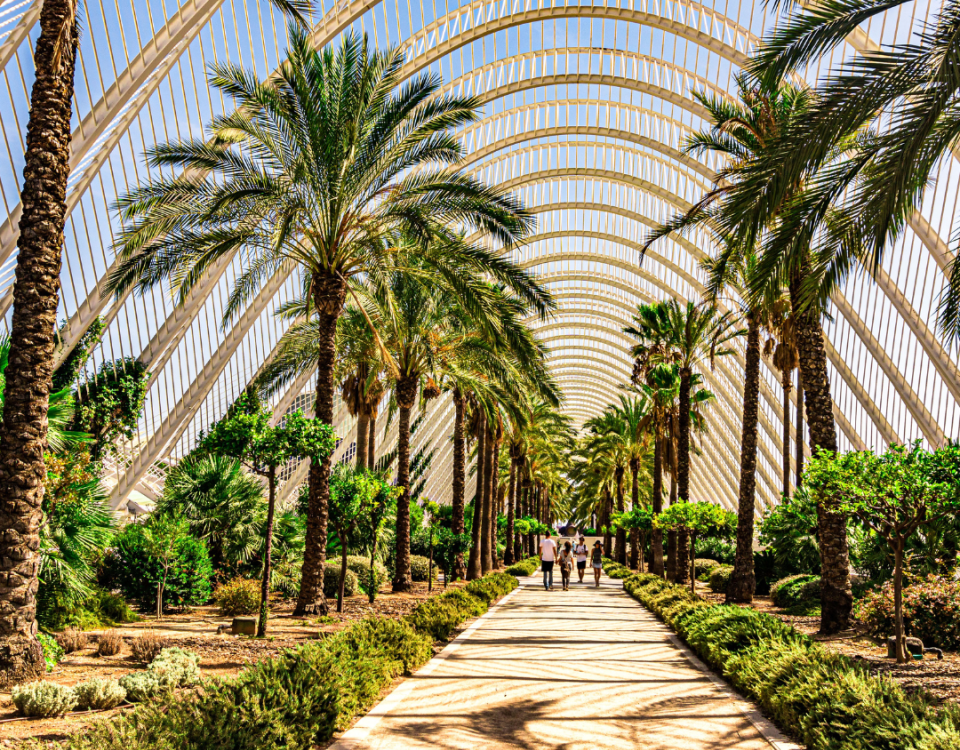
<point x="588" y="668"/>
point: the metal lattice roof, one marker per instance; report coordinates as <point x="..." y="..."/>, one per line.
<point x="585" y="108"/>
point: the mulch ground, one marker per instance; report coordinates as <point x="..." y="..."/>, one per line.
<point x="220" y="655"/>
<point x="939" y="678"/>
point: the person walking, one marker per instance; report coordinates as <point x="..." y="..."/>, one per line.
<point x="596" y="560"/>
<point x="548" y="554"/>
<point x="581" y="552"/>
<point x="566" y="565"/>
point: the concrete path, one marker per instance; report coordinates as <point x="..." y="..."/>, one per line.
<point x="567" y="670"/>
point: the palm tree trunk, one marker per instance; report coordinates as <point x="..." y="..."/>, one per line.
<point x="836" y="598"/>
<point x="800" y="435"/>
<point x="742" y="583"/>
<point x="329" y="294"/>
<point x="635" y="552"/>
<point x="672" y="535"/>
<point x="785" y="378"/>
<point x="457" y="524"/>
<point x="406" y="394"/>
<point x="508" y="551"/>
<point x="267" y="548"/>
<point x="363" y="427"/>
<point x="656" y="541"/>
<point x="474" y="564"/>
<point x="683" y="444"/>
<point x="496" y="496"/>
<point x="486" y="506"/>
<point x="528" y="513"/>
<point x="372" y="444"/>
<point x="28" y="375"/>
<point x="607" y="508"/>
<point x="621" y="533"/>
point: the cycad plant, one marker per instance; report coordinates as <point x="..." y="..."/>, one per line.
<point x="324" y="168"/>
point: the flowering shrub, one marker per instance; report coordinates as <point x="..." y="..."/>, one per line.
<point x="931" y="611"/>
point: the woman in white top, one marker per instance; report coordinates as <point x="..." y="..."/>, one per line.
<point x="580" y="551"/>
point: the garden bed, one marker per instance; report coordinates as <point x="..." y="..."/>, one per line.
<point x="220" y="655"/>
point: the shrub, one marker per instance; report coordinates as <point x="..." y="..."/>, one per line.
<point x="824" y="700"/>
<point x="524" y="567"/>
<point x="615" y="569"/>
<point x="420" y="568"/>
<point x="177" y="667"/>
<point x="142" y="686"/>
<point x="52" y="651"/>
<point x="720" y="578"/>
<point x="931" y="611"/>
<point x="360" y="567"/>
<point x="331" y="581"/>
<point x="440" y="615"/>
<point x="241" y="596"/>
<point x="719" y="550"/>
<point x="146" y="646"/>
<point x="796" y="589"/>
<point x="296" y="699"/>
<point x="491" y="587"/>
<point x="703" y="568"/>
<point x="113" y="608"/>
<point x="133" y="569"/>
<point x="109" y="643"/>
<point x="71" y="640"/>
<point x="43" y="699"/>
<point x="99" y="694"/>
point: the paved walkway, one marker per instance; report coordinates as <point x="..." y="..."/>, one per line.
<point x="587" y="668"/>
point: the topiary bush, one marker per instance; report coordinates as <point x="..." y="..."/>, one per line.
<point x="331" y="581"/>
<point x="420" y="568"/>
<point x="795" y="590"/>
<point x="241" y="596"/>
<point x="720" y="578"/>
<point x="360" y="567"/>
<point x="931" y="611"/>
<point x="43" y="699"/>
<point x="703" y="568"/>
<point x="99" y="694"/>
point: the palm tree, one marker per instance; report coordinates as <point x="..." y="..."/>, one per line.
<point x="607" y="446"/>
<point x="324" y="168"/>
<point x="637" y="440"/>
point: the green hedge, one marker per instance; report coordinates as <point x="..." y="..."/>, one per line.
<point x="825" y="700"/>
<point x="301" y="697"/>
<point x="720" y="578"/>
<point x="525" y="567"/>
<point x="615" y="570"/>
<point x="794" y="590"/>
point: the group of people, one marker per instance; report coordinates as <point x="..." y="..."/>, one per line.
<point x="566" y="557"/>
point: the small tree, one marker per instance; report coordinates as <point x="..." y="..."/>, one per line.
<point x="370" y="527"/>
<point x="639" y="519"/>
<point x="162" y="537"/>
<point x="894" y="494"/>
<point x="245" y="433"/>
<point x="354" y="495"/>
<point x="698" y="519"/>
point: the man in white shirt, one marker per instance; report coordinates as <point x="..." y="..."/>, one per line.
<point x="548" y="553"/>
<point x="581" y="552"/>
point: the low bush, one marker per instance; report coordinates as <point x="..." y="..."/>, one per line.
<point x="99" y="694"/>
<point x="825" y="700"/>
<point x="440" y="615"/>
<point x="360" y="567"/>
<point x="43" y="699"/>
<point x="296" y="699"/>
<point x="52" y="651"/>
<point x="147" y="646"/>
<point x="720" y="578"/>
<point x="703" y="568"/>
<point x="177" y="667"/>
<point x="492" y="586"/>
<point x="420" y="568"/>
<point x="525" y="567"/>
<point x="141" y="687"/>
<point x="71" y="640"/>
<point x="331" y="581"/>
<point x="931" y="611"/>
<point x="795" y="590"/>
<point x="109" y="643"/>
<point x="615" y="570"/>
<point x="241" y="596"/>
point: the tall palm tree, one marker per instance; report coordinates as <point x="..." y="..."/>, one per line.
<point x="633" y="414"/>
<point x="324" y="168"/>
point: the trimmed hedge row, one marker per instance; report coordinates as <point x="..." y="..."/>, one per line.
<point x="615" y="570"/>
<point x="299" y="698"/>
<point x="525" y="567"/>
<point x="825" y="700"/>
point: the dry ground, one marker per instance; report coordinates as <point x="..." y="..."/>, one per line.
<point x="221" y="655"/>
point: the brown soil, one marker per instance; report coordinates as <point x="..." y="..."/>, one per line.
<point x="220" y="655"/>
<point x="939" y="678"/>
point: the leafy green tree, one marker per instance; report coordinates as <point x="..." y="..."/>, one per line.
<point x="109" y="406"/>
<point x="354" y="495"/>
<point x="639" y="522"/>
<point x="245" y="433"/>
<point x="698" y="519"/>
<point x="370" y="527"/>
<point x="894" y="494"/>
<point x="789" y="531"/>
